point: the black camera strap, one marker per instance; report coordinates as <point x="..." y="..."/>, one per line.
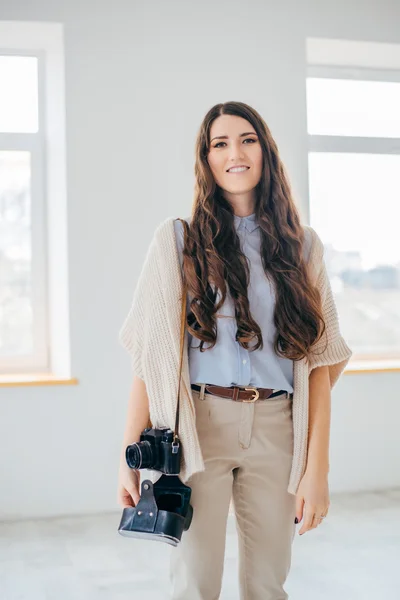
<point x="182" y="339"/>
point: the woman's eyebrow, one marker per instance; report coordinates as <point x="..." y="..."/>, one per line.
<point x="225" y="137"/>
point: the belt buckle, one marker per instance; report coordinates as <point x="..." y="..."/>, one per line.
<point x="256" y="397"/>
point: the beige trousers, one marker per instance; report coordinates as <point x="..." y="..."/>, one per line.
<point x="247" y="450"/>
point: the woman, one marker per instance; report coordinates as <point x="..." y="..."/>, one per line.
<point x="263" y="349"/>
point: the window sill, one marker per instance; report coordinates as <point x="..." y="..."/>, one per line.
<point x="373" y="366"/>
<point x="18" y="379"/>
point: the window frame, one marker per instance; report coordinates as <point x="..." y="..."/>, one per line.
<point x="35" y="144"/>
<point x="355" y="144"/>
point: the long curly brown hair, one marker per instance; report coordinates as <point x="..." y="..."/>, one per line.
<point x="213" y="260"/>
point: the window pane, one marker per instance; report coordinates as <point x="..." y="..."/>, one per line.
<point x="15" y="255"/>
<point x="355" y="209"/>
<point x="353" y="108"/>
<point x="19" y="94"/>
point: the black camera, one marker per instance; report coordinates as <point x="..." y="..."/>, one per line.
<point x="155" y="450"/>
<point x="164" y="511"/>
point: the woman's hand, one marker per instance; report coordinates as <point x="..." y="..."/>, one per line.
<point x="312" y="498"/>
<point x="128" y="486"/>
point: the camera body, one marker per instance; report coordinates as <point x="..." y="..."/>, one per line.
<point x="155" y="450"/>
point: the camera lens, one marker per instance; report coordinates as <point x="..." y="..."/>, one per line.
<point x="139" y="455"/>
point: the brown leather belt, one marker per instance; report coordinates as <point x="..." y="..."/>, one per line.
<point x="241" y="394"/>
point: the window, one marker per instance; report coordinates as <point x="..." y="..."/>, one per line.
<point x="23" y="342"/>
<point x="34" y="308"/>
<point x="354" y="165"/>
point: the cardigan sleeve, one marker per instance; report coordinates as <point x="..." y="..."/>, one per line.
<point x="133" y="331"/>
<point x="331" y="350"/>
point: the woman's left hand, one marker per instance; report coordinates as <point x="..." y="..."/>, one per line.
<point x="312" y="499"/>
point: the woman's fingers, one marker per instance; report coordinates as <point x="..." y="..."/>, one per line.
<point x="308" y="517"/>
<point x="128" y="487"/>
<point x="299" y="508"/>
<point x="127" y="501"/>
<point x="135" y="497"/>
<point x="128" y="497"/>
<point x="311" y="520"/>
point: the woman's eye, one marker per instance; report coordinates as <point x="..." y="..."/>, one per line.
<point x="246" y="140"/>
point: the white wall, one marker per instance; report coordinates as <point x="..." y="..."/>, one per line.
<point x="140" y="77"/>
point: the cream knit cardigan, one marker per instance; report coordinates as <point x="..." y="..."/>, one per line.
<point x="151" y="332"/>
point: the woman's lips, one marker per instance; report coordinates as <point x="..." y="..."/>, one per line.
<point x="238" y="172"/>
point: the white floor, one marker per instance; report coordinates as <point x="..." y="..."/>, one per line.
<point x="353" y="555"/>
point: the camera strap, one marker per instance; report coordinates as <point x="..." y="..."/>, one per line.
<point x="183" y="321"/>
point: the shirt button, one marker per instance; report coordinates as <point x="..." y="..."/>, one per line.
<point x="244" y="361"/>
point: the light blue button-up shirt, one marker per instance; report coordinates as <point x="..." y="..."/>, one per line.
<point x="227" y="363"/>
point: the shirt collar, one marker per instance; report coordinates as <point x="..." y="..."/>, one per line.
<point x="248" y="222"/>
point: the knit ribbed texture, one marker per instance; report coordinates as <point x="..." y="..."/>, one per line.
<point x="151" y="334"/>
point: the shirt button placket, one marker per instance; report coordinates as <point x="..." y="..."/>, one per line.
<point x="244" y="366"/>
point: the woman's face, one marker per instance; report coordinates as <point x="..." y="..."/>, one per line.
<point x="233" y="149"/>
